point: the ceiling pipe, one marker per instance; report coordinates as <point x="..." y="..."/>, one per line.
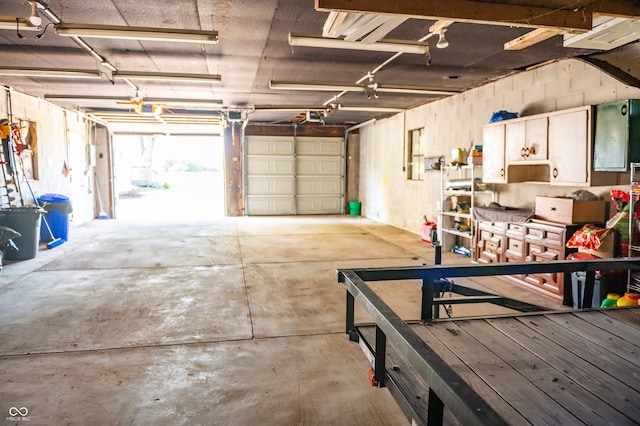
<point x="359" y="125"/>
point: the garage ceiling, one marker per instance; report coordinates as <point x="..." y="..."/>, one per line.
<point x="253" y="55"/>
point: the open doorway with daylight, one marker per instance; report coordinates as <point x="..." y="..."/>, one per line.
<point x="162" y="177"/>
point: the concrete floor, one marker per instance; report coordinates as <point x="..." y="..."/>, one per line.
<point x="233" y="321"/>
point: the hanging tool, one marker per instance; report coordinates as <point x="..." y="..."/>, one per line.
<point x="9" y="184"/>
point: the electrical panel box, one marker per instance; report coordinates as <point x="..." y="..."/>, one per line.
<point x="617" y="136"/>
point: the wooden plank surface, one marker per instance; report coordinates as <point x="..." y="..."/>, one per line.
<point x="501" y="379"/>
<point x="577" y="367"/>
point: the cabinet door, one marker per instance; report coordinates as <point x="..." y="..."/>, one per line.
<point x="493" y="158"/>
<point x="515" y="141"/>
<point x="611" y="137"/>
<point x="526" y="140"/>
<point x="569" y="147"/>
<point x="536" y="138"/>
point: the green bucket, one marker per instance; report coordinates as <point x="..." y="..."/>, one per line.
<point x="354" y="208"/>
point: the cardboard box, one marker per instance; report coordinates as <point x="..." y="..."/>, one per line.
<point x="455" y="199"/>
<point x="570" y="211"/>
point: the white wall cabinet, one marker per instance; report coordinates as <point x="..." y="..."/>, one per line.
<point x="493" y="153"/>
<point x="554" y="147"/>
<point x="526" y="140"/>
<point x="570" y="147"/>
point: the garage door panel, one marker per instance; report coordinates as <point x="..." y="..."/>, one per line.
<point x="270" y="205"/>
<point x="319" y="185"/>
<point x="320" y="166"/>
<point x="319" y="146"/>
<point x="266" y="145"/>
<point x="270" y="185"/>
<point x="319" y="205"/>
<point x="286" y="175"/>
<point x="270" y="166"/>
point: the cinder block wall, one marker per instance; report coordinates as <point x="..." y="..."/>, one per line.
<point x="457" y="121"/>
<point x="62" y="138"/>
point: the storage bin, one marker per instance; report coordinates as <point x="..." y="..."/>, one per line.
<point x="570" y="211"/>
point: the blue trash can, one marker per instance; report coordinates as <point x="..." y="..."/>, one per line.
<point x="58" y="208"/>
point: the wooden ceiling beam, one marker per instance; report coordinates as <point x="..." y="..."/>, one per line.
<point x="530" y="38"/>
<point x="440" y="25"/>
<point x="618" y="8"/>
<point x="572" y="21"/>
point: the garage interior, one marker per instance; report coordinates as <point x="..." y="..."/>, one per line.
<point x="227" y="310"/>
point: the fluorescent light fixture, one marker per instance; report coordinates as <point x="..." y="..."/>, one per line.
<point x="159" y="76"/>
<point x="369" y="109"/>
<point x="9" y="23"/>
<point x="384" y="45"/>
<point x="49" y="72"/>
<point x="184" y="102"/>
<point x="137" y="33"/>
<point x="165" y="101"/>
<point x="289" y="85"/>
<point x="288" y="108"/>
<point x="415" y="90"/>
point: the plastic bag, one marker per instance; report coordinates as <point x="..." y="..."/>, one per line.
<point x="502" y="115"/>
<point x="589" y="237"/>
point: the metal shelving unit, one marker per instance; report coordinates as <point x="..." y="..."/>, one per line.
<point x="448" y="218"/>
<point x="634" y="244"/>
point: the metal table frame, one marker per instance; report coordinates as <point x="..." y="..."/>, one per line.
<point x="446" y="388"/>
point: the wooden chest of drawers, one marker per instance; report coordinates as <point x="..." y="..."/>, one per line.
<point x="535" y="241"/>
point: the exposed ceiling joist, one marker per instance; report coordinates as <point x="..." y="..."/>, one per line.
<point x="575" y="20"/>
<point x="367" y="28"/>
<point x="440" y="25"/>
<point x="336" y="21"/>
<point x="389" y="25"/>
<point x="364" y="26"/>
<point x="531" y="38"/>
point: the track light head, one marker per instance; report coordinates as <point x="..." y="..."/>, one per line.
<point x="371" y="88"/>
<point x="442" y="42"/>
<point x="35" y="19"/>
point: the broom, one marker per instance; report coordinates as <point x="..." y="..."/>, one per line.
<point x="54" y="242"/>
<point x="102" y="214"/>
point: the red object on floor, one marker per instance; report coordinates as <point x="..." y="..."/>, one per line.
<point x="372" y="377"/>
<point x="428" y="232"/>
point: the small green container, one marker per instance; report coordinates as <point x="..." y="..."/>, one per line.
<point x="354" y="208"/>
<point x="610" y="301"/>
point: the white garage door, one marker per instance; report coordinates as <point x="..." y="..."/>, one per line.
<point x="287" y="176"/>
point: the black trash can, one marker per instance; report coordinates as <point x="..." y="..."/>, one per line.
<point x="26" y="221"/>
<point x="58" y="209"/>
